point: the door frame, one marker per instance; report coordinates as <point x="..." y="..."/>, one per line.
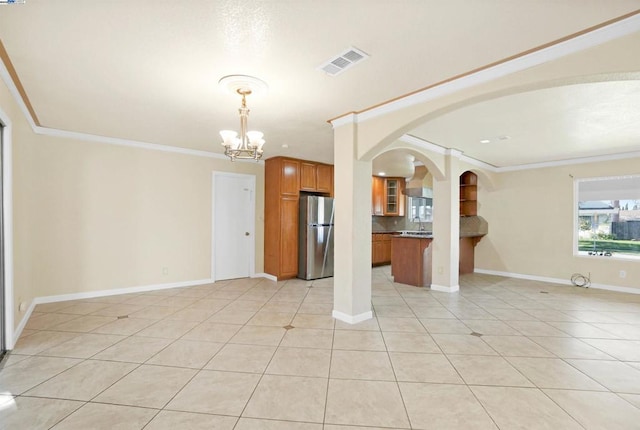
<point x="7" y="227"/>
<point x="252" y="216"/>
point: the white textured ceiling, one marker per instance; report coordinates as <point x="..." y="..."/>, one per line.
<point x="146" y="70"/>
<point x="559" y="123"/>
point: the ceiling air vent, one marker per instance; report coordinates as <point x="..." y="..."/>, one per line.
<point x="342" y="62"/>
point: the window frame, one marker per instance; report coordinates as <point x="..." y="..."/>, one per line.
<point x="576" y="218"/>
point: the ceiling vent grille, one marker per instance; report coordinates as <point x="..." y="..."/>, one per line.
<point x="342" y="62"/>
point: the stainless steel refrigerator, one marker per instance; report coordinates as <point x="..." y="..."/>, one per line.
<point x="315" y="250"/>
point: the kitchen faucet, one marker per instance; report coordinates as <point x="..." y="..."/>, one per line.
<point x="420" y="226"/>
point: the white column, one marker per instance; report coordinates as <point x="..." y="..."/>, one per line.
<point x="352" y="241"/>
<point x="446" y="227"/>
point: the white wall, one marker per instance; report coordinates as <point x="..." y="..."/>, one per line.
<point x="531" y="222"/>
<point x="92" y="216"/>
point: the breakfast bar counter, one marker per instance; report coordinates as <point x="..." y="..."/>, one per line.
<point x="411" y="259"/>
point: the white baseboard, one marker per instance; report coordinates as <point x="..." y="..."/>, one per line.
<point x="266" y="276"/>
<point x="352" y="319"/>
<point x="114" y="292"/>
<point x="94" y="294"/>
<point x="23" y="322"/>
<point x="558" y="281"/>
<point x="445" y="289"/>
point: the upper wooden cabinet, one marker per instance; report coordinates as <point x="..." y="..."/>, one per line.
<point x="290" y="177"/>
<point x="468" y="194"/>
<point x="308" y="176"/>
<point x="315" y="177"/>
<point x="388" y="196"/>
<point x="284" y="179"/>
<point x="377" y="196"/>
<point x="324" y="175"/>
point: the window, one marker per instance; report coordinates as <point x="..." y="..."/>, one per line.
<point x="608" y="217"/>
<point x="420" y="208"/>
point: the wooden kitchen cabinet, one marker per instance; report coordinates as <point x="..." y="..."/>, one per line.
<point x="308" y="176"/>
<point x="377" y="196"/>
<point x="324" y="181"/>
<point x="411" y="263"/>
<point x="288" y="176"/>
<point x="316" y="177"/>
<point x="387" y="196"/>
<point x="381" y="248"/>
<point x="284" y="179"/>
<point x="468" y="194"/>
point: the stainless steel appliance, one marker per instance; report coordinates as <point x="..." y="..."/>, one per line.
<point x="315" y="250"/>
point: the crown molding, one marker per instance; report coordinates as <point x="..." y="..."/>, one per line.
<point x="581" y="160"/>
<point x="425" y="144"/>
<point x="53" y="132"/>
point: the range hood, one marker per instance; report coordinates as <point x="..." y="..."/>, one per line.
<point x="414" y="186"/>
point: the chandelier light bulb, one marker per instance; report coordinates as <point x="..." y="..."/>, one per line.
<point x="227" y="137"/>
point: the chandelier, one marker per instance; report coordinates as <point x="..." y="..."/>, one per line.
<point x="247" y="146"/>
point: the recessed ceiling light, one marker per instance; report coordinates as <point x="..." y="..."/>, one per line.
<point x="381" y="173"/>
<point x="284" y="145"/>
<point x="485" y="141"/>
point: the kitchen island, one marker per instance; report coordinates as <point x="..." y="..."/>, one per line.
<point x="411" y="257"/>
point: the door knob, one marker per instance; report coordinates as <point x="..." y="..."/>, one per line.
<point x="246" y="233"/>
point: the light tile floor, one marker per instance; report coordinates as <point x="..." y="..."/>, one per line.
<point x="252" y="354"/>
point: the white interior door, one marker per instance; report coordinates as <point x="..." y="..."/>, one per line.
<point x="233" y="226"/>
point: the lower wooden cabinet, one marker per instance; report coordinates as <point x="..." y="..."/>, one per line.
<point x="381" y="248"/>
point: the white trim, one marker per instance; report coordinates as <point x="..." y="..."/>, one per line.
<point x="445" y="289"/>
<point x="355" y="319"/>
<point x="125" y="142"/>
<point x="6" y="77"/>
<point x="576" y="44"/>
<point x="7" y="215"/>
<point x="116" y="291"/>
<point x="102" y="293"/>
<point x="558" y="281"/>
<point x="252" y="215"/>
<point x="23" y="322"/>
<point x="416" y="141"/>
<point x="351" y="118"/>
<point x="429" y="146"/>
<point x="453" y="152"/>
<point x="266" y="276"/>
<point x="478" y="163"/>
<point x="581" y="160"/>
<point x="421" y="143"/>
<point x="576" y="212"/>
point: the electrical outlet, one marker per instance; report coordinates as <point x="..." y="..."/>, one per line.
<point x="165" y="271"/>
<point x="623" y="274"/>
<point x="440" y="270"/>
